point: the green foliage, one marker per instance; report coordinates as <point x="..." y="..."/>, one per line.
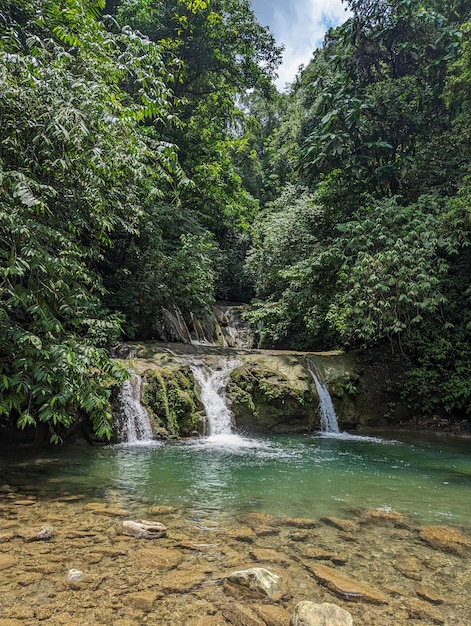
<point x="391" y="272"/>
<point x="380" y="251"/>
<point x="71" y="163"/>
<point x="217" y="51"/>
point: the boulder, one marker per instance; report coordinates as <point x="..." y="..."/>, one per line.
<point x="273" y="395"/>
<point x="260" y="580"/>
<point x="325" y="614"/>
<point x="142" y="529"/>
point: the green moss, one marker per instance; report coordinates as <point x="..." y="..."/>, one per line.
<point x="266" y="401"/>
<point x="171" y="400"/>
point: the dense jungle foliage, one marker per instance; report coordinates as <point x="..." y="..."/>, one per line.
<point x="147" y="161"/>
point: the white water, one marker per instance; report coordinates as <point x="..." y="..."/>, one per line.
<point x="136" y="427"/>
<point x="327" y="412"/>
<point x="212" y="382"/>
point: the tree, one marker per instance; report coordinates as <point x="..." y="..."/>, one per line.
<point x="72" y="161"/>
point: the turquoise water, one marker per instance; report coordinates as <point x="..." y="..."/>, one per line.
<point x="293" y="476"/>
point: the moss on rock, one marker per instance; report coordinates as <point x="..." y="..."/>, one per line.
<point x="170" y="398"/>
<point x="269" y="400"/>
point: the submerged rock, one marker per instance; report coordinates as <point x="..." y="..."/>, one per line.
<point x="272" y="615"/>
<point x="410" y="567"/>
<point x="6" y="561"/>
<point x="75" y="575"/>
<point x="260" y="580"/>
<point x="345" y="525"/>
<point x="384" y="515"/>
<point x="446" y="539"/>
<point x="31" y="534"/>
<point x="142" y="529"/>
<point x="325" y="614"/>
<point x="240" y="615"/>
<point x="346" y="587"/>
<point x="143" y="601"/>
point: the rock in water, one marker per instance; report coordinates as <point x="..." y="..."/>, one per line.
<point x="31" y="534"/>
<point x="142" y="529"/>
<point x="347" y="588"/>
<point x="325" y="614"/>
<point x="446" y="539"/>
<point x="74" y="578"/>
<point x="260" y="580"/>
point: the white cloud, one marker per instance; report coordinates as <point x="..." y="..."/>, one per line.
<point x="300" y="25"/>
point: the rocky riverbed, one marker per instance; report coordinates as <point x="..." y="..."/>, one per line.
<point x="74" y="561"/>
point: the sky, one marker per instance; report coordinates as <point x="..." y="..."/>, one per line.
<point x="300" y="25"/>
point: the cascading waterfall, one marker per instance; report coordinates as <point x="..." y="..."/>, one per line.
<point x="212" y="383"/>
<point x="327" y="413"/>
<point x="135" y="422"/>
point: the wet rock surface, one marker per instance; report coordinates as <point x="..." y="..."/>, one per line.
<point x="325" y="614"/>
<point x="89" y="573"/>
<point x="143" y="529"/>
<point x="260" y="580"/>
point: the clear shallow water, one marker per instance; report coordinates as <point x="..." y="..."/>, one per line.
<point x="292" y="476"/>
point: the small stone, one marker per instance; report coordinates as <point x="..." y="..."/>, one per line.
<point x="325" y="614"/>
<point x="4" y="537"/>
<point x="143" y="529"/>
<point x="5" y="489"/>
<point x="347" y="588"/>
<point x="74" y="576"/>
<point x="260" y="580"/>
<point x="43" y="534"/>
<point x="24" y="502"/>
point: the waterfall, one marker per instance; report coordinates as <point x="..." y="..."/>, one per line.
<point x="135" y="422"/>
<point x="326" y="408"/>
<point x="212" y="383"/>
